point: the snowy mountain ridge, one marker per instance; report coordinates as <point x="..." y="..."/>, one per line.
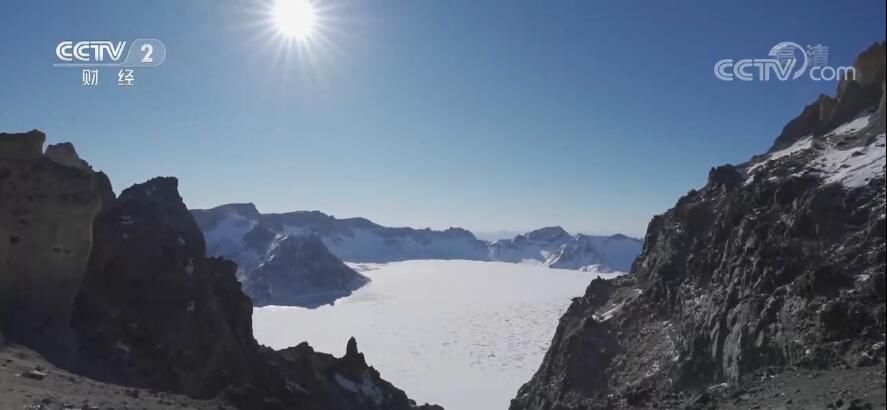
<point x="556" y="248"/>
<point x="241" y="233"/>
<point x="829" y="156"/>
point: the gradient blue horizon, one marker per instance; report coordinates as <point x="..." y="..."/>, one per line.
<point x="493" y="116"/>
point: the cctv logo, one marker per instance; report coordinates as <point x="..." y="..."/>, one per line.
<point x="140" y="53"/>
<point x="90" y="52"/>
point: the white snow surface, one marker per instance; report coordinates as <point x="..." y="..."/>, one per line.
<point x="850" y="167"/>
<point x="854" y="125"/>
<point x="800" y="145"/>
<point x="225" y="240"/>
<point x="853" y="167"/>
<point x="462" y="334"/>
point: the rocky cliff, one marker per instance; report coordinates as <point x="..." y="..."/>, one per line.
<point x="773" y="266"/>
<point x="153" y="309"/>
<point x="121" y="289"/>
<point x="47" y="205"/>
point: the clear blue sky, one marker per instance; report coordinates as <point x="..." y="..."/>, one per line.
<point x="484" y="114"/>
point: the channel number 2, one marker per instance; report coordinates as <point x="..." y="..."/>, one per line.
<point x="148" y="50"/>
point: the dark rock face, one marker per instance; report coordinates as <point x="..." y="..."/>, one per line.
<point x="154" y="311"/>
<point x="300" y="271"/>
<point x="154" y="305"/>
<point x="47" y="205"/>
<point x="345" y="383"/>
<point x="775" y="264"/>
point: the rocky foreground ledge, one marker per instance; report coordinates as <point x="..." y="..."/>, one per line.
<point x="118" y="291"/>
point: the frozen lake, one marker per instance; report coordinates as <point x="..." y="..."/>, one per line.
<point x="462" y="334"/>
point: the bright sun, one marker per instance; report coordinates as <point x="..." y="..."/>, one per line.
<point x="296" y="19"/>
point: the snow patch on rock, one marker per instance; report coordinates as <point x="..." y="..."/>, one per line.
<point x="851" y="167"/>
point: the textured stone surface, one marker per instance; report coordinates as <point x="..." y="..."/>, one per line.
<point x="46" y="214"/>
<point x="22" y="146"/>
<point x="153" y="308"/>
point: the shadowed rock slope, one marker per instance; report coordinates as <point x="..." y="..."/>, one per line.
<point x="121" y="290"/>
<point x="773" y="267"/>
<point x="300" y="271"/>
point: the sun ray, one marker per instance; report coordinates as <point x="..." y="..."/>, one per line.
<point x="310" y="57"/>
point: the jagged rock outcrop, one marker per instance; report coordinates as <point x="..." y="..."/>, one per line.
<point x="774" y="264"/>
<point x="348" y="382"/>
<point x="851" y="98"/>
<point x="153" y="308"/>
<point x="65" y="154"/>
<point x="47" y="205"/>
<point x="121" y="289"/>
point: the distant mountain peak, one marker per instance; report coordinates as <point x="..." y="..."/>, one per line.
<point x="246" y="209"/>
<point x="554" y="247"/>
<point x="361" y="240"/>
<point x="547" y="233"/>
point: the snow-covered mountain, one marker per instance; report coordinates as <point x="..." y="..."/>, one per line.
<point x="555" y="248"/>
<point x="237" y="230"/>
<point x="241" y="233"/>
<point x="276" y="267"/>
<point x="299" y="270"/>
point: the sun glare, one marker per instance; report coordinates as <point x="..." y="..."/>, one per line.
<point x="298" y="34"/>
<point x="296" y="19"/>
